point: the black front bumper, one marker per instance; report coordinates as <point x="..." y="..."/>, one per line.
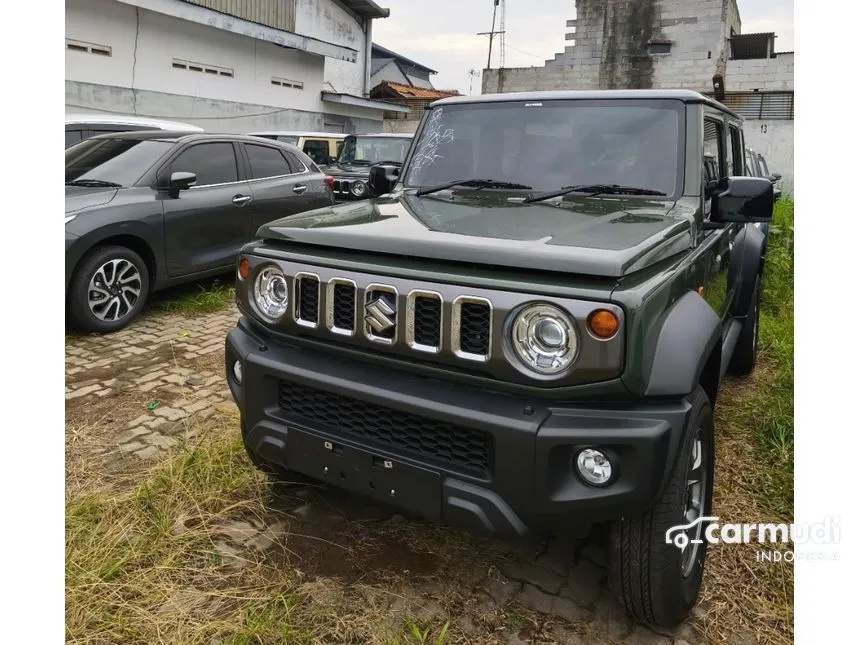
<point x="474" y="458"/>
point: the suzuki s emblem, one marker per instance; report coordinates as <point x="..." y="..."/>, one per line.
<point x="380" y="315"/>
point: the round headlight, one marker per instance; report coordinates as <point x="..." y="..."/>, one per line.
<point x="358" y="188"/>
<point x="544" y="339"/>
<point x="271" y="292"/>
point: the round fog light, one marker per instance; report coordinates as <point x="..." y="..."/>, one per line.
<point x="594" y="467"/>
<point x="237" y="372"/>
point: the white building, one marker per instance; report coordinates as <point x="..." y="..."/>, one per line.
<point x="225" y="65"/>
<point x="676" y="44"/>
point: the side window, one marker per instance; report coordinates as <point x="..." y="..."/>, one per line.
<point x="763" y="165"/>
<point x="339" y="148"/>
<point x="72" y="137"/>
<point x="296" y="166"/>
<point x="317" y="149"/>
<point x="735" y="159"/>
<point x="266" y="162"/>
<point x="714" y="144"/>
<point x="213" y="163"/>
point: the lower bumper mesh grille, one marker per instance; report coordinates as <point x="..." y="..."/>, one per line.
<point x="456" y="447"/>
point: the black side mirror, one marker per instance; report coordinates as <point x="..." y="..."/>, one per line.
<point x="383" y="177"/>
<point x="332" y="161"/>
<point x="181" y="181"/>
<point x="775" y="176"/>
<point x="743" y="200"/>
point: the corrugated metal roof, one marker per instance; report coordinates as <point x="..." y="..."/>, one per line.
<point x="367" y="8"/>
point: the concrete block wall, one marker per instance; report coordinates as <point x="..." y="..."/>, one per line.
<point x="610" y="43"/>
<point x="761" y="74"/>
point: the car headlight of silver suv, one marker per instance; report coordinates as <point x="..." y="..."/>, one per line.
<point x="544" y="338"/>
<point x="271" y="292"/>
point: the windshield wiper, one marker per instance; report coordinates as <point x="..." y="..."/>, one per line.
<point x="472" y="183"/>
<point x="594" y="190"/>
<point x="93" y="183"/>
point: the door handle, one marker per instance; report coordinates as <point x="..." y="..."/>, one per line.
<point x="299" y="189"/>
<point x="241" y="200"/>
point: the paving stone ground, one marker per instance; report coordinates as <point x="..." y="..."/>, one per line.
<point x="112" y="382"/>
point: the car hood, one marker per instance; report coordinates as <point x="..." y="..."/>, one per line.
<point x="349" y="171"/>
<point x="606" y="236"/>
<point x="80" y="198"/>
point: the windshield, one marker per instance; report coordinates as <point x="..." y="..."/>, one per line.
<point x="116" y="161"/>
<point x="370" y="150"/>
<point x="551" y="144"/>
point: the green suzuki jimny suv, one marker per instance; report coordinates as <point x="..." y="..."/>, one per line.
<point x="526" y="333"/>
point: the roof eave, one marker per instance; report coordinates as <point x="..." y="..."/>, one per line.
<point x="359" y="101"/>
<point x="209" y="18"/>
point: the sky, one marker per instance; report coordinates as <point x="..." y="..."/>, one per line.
<point x="441" y="34"/>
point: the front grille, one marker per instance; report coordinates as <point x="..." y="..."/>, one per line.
<point x="475" y="328"/>
<point x="308" y="297"/>
<point x="342" y="186"/>
<point x="428" y="321"/>
<point x="344" y="306"/>
<point x="456" y="447"/>
<point x="418" y="320"/>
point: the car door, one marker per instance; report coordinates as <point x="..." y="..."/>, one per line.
<point x="280" y="183"/>
<point x="206" y="225"/>
<point x="723" y="157"/>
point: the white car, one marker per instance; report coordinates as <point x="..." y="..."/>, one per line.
<point x="84" y="126"/>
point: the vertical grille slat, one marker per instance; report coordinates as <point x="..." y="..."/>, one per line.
<point x="428" y="321"/>
<point x="344" y="306"/>
<point x="472" y="333"/>
<point x="307" y="300"/>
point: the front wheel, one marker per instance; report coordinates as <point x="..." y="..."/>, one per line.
<point x="656" y="559"/>
<point x="108" y="290"/>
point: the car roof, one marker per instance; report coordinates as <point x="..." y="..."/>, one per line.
<point x="298" y="133"/>
<point x="688" y="96"/>
<point x="161" y="135"/>
<point x="122" y="119"/>
<point x="383" y="135"/>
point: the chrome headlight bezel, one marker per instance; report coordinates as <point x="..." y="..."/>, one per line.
<point x="271" y="293"/>
<point x="543" y="340"/>
<point x="361" y="186"/>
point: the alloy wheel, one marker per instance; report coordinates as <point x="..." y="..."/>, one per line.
<point x="694" y="502"/>
<point x="114" y="290"/>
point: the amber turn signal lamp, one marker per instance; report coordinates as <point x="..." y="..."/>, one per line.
<point x="603" y="323"/>
<point x="244" y="268"/>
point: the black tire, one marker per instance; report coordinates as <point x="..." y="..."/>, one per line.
<point x="744" y="356"/>
<point x="645" y="573"/>
<point x="107" y="261"/>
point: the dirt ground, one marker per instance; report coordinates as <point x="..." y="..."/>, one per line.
<point x="139" y="406"/>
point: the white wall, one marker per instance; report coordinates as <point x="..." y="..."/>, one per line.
<point x="389" y="72"/>
<point x="775" y="141"/>
<point x="324" y="20"/>
<point x="162" y="38"/>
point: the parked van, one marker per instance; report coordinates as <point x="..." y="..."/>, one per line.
<point x="322" y="147"/>
<point x="84" y="126"/>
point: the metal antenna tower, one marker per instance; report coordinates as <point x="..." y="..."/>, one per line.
<point x="492" y="32"/>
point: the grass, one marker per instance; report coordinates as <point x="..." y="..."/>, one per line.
<point x="196" y="299"/>
<point x="149" y="562"/>
<point x="747" y="600"/>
